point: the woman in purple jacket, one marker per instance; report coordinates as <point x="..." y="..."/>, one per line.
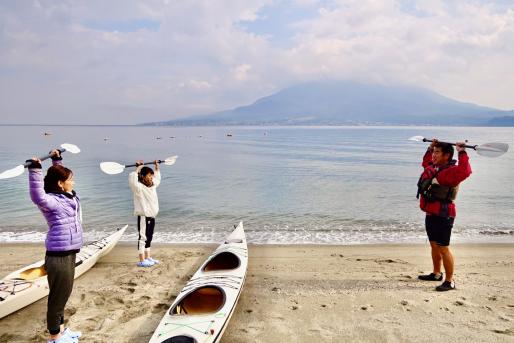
<point x="56" y="199"/>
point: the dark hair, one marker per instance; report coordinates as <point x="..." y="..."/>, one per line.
<point x="143" y="172"/>
<point x="446" y="148"/>
<point x="54" y="175"/>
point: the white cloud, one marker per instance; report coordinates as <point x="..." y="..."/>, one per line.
<point x="240" y="72"/>
<point x="52" y="63"/>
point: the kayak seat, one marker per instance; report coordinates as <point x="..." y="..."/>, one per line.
<point x="33" y="273"/>
<point x="222" y="261"/>
<point x="203" y="300"/>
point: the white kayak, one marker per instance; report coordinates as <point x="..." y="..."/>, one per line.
<point x="29" y="284"/>
<point x="201" y="311"/>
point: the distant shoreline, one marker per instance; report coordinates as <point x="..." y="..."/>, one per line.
<point x="250" y="125"/>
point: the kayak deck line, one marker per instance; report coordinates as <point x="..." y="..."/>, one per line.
<point x="201" y="311"/>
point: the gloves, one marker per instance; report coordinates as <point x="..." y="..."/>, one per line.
<point x="34" y="164"/>
<point x="57" y="156"/>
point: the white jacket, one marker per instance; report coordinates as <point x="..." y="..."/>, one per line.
<point x="146" y="202"/>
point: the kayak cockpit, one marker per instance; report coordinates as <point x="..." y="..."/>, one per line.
<point x="203" y="300"/>
<point x="180" y="339"/>
<point x="222" y="261"/>
<point x="33" y="273"/>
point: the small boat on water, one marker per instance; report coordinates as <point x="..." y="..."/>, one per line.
<point x="29" y="284"/>
<point x="202" y="310"/>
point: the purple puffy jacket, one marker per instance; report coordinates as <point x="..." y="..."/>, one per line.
<point x="62" y="213"/>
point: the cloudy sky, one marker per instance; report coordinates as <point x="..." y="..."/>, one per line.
<point x="124" y="62"/>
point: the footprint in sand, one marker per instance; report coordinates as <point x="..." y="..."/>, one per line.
<point x="379" y="261"/>
<point x="14" y="338"/>
<point x="99" y="301"/>
<point x="132" y="313"/>
<point x="160" y="307"/>
<point x="70" y="311"/>
<point x="117" y="300"/>
<point x="508" y="332"/>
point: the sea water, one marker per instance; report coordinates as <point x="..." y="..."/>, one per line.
<point x="328" y="185"/>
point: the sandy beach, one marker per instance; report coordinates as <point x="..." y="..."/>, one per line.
<point x="307" y="293"/>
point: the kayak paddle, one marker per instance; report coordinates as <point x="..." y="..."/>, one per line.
<point x="16" y="171"/>
<point x="116" y="168"/>
<point x="494" y="149"/>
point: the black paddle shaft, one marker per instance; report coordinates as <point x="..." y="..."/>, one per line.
<point x="474" y="147"/>
<point x="144" y="164"/>
<point x="42" y="158"/>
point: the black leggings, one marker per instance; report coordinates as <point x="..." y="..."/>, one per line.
<point x="61" y="274"/>
<point x="145" y="227"/>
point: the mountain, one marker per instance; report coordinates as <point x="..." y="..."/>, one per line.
<point x="507" y="120"/>
<point x="348" y="102"/>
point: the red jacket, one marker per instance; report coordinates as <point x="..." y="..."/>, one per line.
<point x="450" y="176"/>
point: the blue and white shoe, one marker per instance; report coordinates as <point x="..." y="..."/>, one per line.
<point x="63" y="339"/>
<point x="153" y="261"/>
<point x="145" y="263"/>
<point x="72" y="334"/>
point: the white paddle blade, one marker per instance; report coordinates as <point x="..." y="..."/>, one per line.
<point x="71" y="148"/>
<point x="417" y="138"/>
<point x="170" y="160"/>
<point x="494" y="149"/>
<point x="112" y="168"/>
<point x="16" y="171"/>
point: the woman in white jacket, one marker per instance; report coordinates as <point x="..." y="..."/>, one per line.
<point x="144" y="182"/>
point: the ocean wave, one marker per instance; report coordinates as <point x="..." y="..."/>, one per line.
<point x="413" y="233"/>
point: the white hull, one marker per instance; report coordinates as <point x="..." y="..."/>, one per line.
<point x="18" y="293"/>
<point x="203" y="308"/>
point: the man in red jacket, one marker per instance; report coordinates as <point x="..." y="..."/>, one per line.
<point x="438" y="186"/>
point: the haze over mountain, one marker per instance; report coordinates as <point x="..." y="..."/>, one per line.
<point x="348" y="102"/>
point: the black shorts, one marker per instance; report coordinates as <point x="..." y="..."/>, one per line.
<point x="439" y="229"/>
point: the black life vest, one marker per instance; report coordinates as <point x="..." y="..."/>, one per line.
<point x="431" y="190"/>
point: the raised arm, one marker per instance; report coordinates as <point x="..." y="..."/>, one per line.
<point x="134" y="183"/>
<point x="427" y="158"/>
<point x="37" y="189"/>
<point x="463" y="169"/>
<point x="157" y="174"/>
